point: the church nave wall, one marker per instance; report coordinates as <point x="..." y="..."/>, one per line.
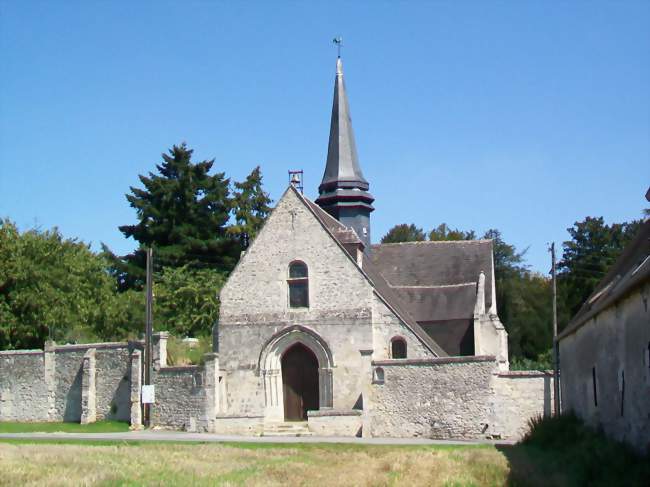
<point x="385" y="326"/>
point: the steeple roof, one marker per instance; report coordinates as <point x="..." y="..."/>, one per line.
<point x="342" y="169"/>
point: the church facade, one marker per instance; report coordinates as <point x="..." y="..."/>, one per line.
<point x="313" y="307"/>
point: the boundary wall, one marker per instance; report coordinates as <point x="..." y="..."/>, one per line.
<point x="442" y="398"/>
<point x="81" y="383"/>
<point x="455" y="398"/>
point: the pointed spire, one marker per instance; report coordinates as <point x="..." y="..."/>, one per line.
<point x="343" y="190"/>
<point x="342" y="161"/>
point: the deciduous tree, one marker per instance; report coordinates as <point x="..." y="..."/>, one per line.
<point x="404" y="233"/>
<point x="443" y="232"/>
<point x="594" y="246"/>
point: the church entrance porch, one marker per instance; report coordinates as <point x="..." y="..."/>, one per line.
<point x="295" y="368"/>
<point x="299" y="382"/>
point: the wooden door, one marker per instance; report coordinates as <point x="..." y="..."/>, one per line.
<point x="299" y="382"/>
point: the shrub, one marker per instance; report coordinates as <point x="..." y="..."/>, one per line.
<point x="593" y="458"/>
<point x="180" y="353"/>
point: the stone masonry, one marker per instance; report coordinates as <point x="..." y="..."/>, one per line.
<point x="67" y="383"/>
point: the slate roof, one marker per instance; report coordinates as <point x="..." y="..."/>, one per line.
<point x="342" y="168"/>
<point x="424" y="282"/>
<point x="438" y="279"/>
<point x="630" y="271"/>
<point x="440" y="303"/>
<point x="342" y="235"/>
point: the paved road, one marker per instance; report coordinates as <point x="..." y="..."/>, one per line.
<point x="162" y="436"/>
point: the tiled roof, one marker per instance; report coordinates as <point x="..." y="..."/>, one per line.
<point x="631" y="270"/>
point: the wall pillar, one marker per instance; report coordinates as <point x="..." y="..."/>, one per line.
<point x="88" y="388"/>
<point x="211" y="385"/>
<point x="49" y="366"/>
<point x="325" y="388"/>
<point x="366" y="394"/>
<point x="160" y="349"/>
<point x="136" y="389"/>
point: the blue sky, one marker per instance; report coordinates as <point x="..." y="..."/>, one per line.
<point x="521" y="116"/>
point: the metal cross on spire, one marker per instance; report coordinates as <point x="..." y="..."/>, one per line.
<point x="339" y="42"/>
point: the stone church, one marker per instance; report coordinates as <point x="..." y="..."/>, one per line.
<point x="312" y="303"/>
<point x="320" y="332"/>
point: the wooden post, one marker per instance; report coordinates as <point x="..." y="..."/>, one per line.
<point x="148" y="342"/>
<point x="556" y="345"/>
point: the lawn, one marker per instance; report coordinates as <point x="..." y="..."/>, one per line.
<point x="557" y="452"/>
<point x="132" y="463"/>
<point x="98" y="427"/>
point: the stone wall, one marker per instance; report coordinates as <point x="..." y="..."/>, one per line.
<point x="112" y="381"/>
<point x="180" y="398"/>
<point x="613" y="348"/>
<point x="335" y="422"/>
<point x="23" y="388"/>
<point x="256" y="291"/>
<point x="439" y="398"/>
<point x="385" y="326"/>
<point x="47" y="385"/>
<point x="517" y="397"/>
<point x="454" y="398"/>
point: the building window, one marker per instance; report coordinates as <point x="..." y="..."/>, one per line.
<point x="298" y="285"/>
<point x="593" y="380"/>
<point x="378" y="376"/>
<point x="398" y="348"/>
<point x="622" y="392"/>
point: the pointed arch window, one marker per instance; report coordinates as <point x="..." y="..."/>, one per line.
<point x="298" y="283"/>
<point x="398" y="347"/>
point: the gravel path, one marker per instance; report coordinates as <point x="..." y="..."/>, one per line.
<point x="159" y="435"/>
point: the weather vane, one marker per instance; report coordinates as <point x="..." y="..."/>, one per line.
<point x="339" y="42"/>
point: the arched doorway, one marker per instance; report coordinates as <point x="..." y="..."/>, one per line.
<point x="299" y="382"/>
<point x="270" y="368"/>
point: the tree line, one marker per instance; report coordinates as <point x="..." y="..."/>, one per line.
<point x="199" y="221"/>
<point x="523" y="296"/>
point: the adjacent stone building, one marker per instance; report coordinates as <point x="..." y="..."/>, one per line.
<point x="605" y="350"/>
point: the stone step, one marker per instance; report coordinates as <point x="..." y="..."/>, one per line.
<point x="286" y="429"/>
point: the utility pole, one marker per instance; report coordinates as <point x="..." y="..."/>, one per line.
<point x="148" y="340"/>
<point x="556" y="345"/>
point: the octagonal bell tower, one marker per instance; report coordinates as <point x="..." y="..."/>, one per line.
<point x="343" y="192"/>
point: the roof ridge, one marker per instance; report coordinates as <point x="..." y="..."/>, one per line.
<point x="394" y="303"/>
<point x="433" y="286"/>
<point x="424" y="242"/>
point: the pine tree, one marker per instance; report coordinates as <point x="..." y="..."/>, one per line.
<point x="183" y="213"/>
<point x="251" y="206"/>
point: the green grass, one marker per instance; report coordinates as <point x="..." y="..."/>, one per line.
<point x="153" y="463"/>
<point x="583" y="455"/>
<point x="44" y="427"/>
<point x="556" y="452"/>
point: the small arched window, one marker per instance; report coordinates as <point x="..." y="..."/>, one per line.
<point x="378" y="376"/>
<point x="398" y="348"/>
<point x="298" y="283"/>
